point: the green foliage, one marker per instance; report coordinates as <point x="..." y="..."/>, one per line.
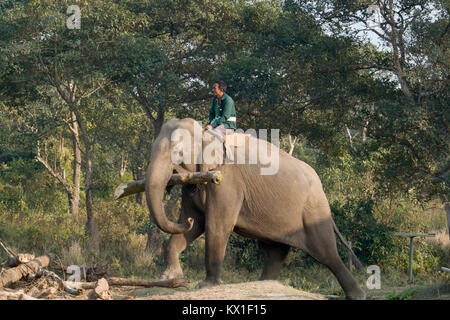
<point x="405" y="295"/>
<point x="371" y="240"/>
<point x="245" y="252"/>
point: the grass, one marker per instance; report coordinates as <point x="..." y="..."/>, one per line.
<point x="130" y="259"/>
<point x="124" y="250"/>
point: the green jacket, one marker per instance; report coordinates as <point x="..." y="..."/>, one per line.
<point x="223" y="113"/>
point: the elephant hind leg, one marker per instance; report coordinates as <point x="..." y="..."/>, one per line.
<point x="320" y="243"/>
<point x="274" y="255"/>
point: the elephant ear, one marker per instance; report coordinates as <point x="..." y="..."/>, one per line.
<point x="212" y="151"/>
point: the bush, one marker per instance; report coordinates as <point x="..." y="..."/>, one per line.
<point x="371" y="240"/>
<point x="405" y="295"/>
<point x="245" y="252"/>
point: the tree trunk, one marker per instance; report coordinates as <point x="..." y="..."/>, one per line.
<point x="75" y="201"/>
<point x="62" y="170"/>
<point x="447" y="210"/>
<point x="123" y="165"/>
<point x="91" y="226"/>
<point x="139" y="176"/>
<point x="152" y="239"/>
<point x="171" y="205"/>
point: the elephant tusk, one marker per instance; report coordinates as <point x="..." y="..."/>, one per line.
<point x="190" y="222"/>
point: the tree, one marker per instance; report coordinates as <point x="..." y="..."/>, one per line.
<point x="408" y="122"/>
<point x="60" y="60"/>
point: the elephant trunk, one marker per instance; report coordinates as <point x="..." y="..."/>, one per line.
<point x="158" y="174"/>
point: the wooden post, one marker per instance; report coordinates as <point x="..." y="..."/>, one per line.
<point x="411" y="253"/>
<point x="411" y="237"/>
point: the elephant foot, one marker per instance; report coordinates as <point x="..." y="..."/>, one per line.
<point x="206" y="284"/>
<point x="172" y="273"/>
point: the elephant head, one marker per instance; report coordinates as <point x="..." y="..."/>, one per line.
<point x="159" y="172"/>
<point x="181" y="143"/>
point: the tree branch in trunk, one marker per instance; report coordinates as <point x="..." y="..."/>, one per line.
<point x="128" y="188"/>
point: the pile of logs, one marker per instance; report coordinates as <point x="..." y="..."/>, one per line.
<point x="24" y="277"/>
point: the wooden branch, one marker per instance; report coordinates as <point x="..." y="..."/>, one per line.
<point x="113" y="281"/>
<point x="8" y="250"/>
<point x="13" y="275"/>
<point x="56" y="175"/>
<point x="128" y="188"/>
<point x="171" y="283"/>
<point x="86" y="95"/>
<point x="141" y="99"/>
<point x="292" y="144"/>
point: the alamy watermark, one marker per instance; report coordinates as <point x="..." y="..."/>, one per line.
<point x="374" y="281"/>
<point x="74" y="20"/>
<point x="75" y="272"/>
<point x="207" y="147"/>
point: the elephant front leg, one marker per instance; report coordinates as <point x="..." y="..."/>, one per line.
<point x="224" y="203"/>
<point x="177" y="244"/>
<point x="215" y="247"/>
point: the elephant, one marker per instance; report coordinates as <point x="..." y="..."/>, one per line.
<point x="282" y="210"/>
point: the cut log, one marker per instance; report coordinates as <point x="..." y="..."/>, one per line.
<point x="171" y="283"/>
<point x="13" y="275"/>
<point x="128" y="188"/>
<point x="113" y="281"/>
<point x="14" y="261"/>
<point x="101" y="291"/>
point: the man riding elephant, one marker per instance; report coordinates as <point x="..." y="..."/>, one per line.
<point x="222" y="114"/>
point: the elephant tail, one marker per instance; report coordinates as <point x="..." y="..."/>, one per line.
<point x="355" y="259"/>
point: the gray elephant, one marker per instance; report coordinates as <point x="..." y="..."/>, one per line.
<point x="282" y="210"/>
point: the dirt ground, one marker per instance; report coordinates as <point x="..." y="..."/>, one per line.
<point x="257" y="290"/>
